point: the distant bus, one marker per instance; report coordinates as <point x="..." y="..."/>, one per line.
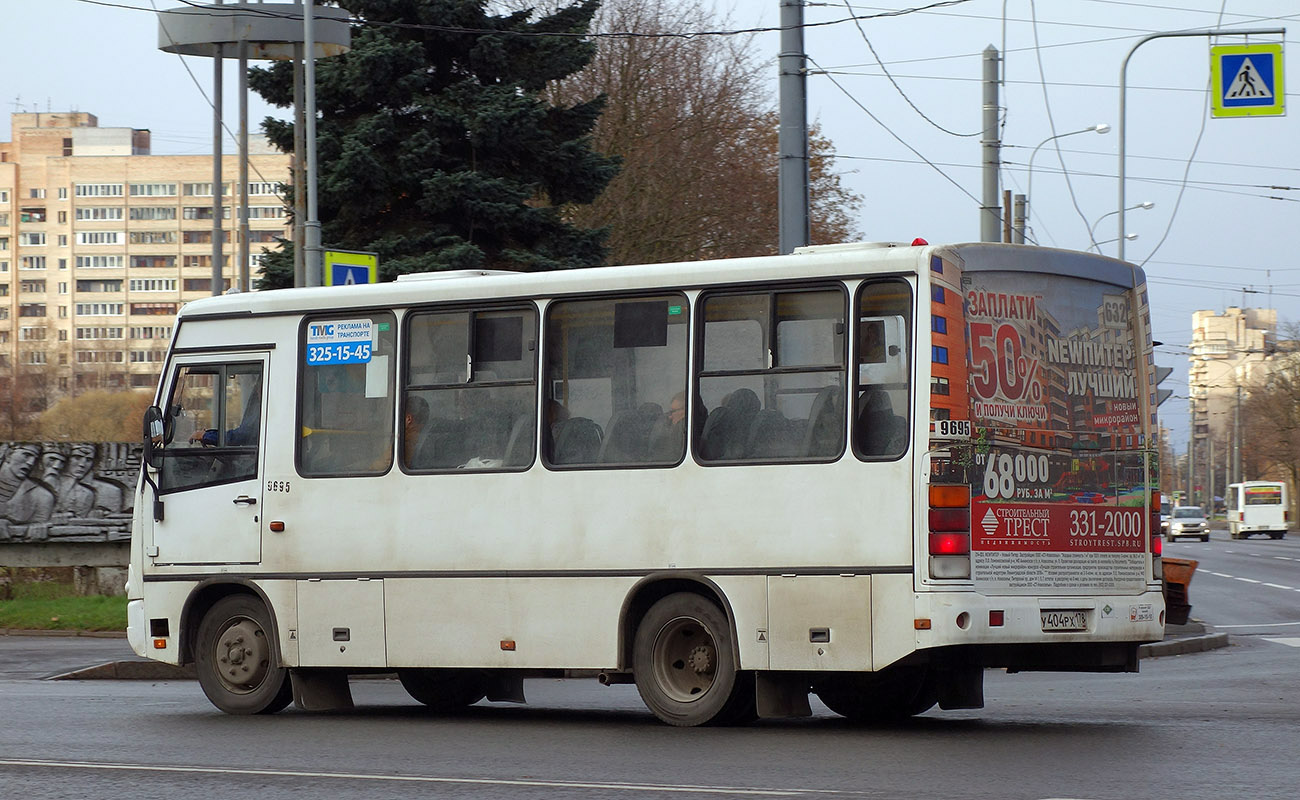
<point x="867" y="472"/>
<point x="1258" y="507"/>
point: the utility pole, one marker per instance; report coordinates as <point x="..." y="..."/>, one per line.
<point x="991" y="207"/>
<point x="1018" y="220"/>
<point x="311" y="228"/>
<point x="792" y="133"/>
<point x="1236" y="438"/>
<point x="218" y="198"/>
<point x="1209" y="475"/>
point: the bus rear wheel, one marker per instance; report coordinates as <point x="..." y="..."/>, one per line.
<point x="872" y="697"/>
<point x="685" y="665"/>
<point x="235" y="658"/>
<point x="444" y="690"/>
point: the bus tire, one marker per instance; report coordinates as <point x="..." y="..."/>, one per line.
<point x="235" y="658"/>
<point x="444" y="690"/>
<point x="873" y="697"/>
<point x="685" y="667"/>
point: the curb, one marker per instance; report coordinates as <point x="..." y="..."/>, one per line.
<point x="1182" y="646"/>
<point x="128" y="671"/>
<point x="68" y="633"/>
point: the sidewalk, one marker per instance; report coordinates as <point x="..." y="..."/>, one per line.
<point x="1181" y="639"/>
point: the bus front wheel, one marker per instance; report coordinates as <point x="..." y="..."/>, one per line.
<point x="235" y="658"/>
<point x="685" y="665"/>
<point x="444" y="690"/>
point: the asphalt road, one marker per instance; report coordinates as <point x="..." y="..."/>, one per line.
<point x="1245" y="587"/>
<point x="1205" y="725"/>
<point x="1199" y="726"/>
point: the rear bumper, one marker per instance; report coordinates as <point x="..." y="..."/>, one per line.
<point x="962" y="626"/>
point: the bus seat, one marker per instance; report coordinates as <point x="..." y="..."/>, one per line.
<point x="825" y="432"/>
<point x="627" y="437"/>
<point x="666" y="440"/>
<point x="519" y="447"/>
<point x="770" y="435"/>
<point x="726" y="430"/>
<point x="880" y="432"/>
<point x="577" y="441"/>
<point x="445" y="445"/>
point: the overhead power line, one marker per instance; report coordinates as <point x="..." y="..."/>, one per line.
<point x="202" y="9"/>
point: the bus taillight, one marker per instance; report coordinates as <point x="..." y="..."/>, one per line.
<point x="950" y="544"/>
<point x="949" y="531"/>
<point x="1157" y="548"/>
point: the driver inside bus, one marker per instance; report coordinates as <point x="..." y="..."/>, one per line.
<point x="249" y="426"/>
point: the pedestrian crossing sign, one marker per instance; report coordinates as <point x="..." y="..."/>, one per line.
<point x="350" y="267"/>
<point x="1246" y="80"/>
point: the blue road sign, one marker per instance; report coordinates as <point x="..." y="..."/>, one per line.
<point x="346" y="274"/>
<point x="1247" y="80"/>
<point x="348" y="267"/>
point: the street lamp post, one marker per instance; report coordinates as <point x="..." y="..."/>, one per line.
<point x="1129" y="236"/>
<point x="1145" y="204"/>
<point x="1123" y="92"/>
<point x="1029" y="181"/>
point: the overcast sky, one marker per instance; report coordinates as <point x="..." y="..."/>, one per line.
<point x="1233" y="226"/>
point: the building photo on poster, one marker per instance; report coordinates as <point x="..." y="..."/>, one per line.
<point x="1058" y="484"/>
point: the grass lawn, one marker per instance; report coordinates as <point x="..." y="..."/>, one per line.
<point x="54" y="606"/>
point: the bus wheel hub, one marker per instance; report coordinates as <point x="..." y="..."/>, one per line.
<point x="701" y="660"/>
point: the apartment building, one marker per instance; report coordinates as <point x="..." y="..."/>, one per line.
<point x="101" y="243"/>
<point x="1228" y="352"/>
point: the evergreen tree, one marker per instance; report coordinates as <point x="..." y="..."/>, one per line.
<point x="436" y="147"/>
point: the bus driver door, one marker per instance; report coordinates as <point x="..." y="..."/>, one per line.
<point x="209" y="474"/>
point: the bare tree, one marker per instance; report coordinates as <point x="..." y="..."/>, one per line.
<point x="692" y="121"/>
<point x="27" y="385"/>
<point x="1271" y="417"/>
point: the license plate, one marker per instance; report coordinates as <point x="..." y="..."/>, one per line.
<point x="1064" y="620"/>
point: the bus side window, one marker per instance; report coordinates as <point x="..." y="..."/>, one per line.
<point x="346" y="401"/>
<point x="881" y="422"/>
<point x="616" y="381"/>
<point x="773" y="376"/>
<point x="469" y="400"/>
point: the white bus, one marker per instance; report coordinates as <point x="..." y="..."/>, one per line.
<point x="867" y="472"/>
<point x="1258" y="507"/>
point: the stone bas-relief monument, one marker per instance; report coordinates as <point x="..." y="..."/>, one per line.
<point x="66" y="492"/>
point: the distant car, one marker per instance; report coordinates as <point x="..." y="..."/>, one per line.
<point x="1166" y="509"/>
<point x="1188" y="521"/>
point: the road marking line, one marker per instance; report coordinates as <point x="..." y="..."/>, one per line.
<point x="1259" y="625"/>
<point x="1248" y="580"/>
<point x="285" y="773"/>
<point x="1289" y="642"/>
<point x="1220" y="574"/>
<point x="1280" y="586"/>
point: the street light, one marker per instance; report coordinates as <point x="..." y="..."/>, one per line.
<point x="1145" y="204"/>
<point x="1029" y="182"/>
<point x="1127" y="237"/>
<point x="1123" y="93"/>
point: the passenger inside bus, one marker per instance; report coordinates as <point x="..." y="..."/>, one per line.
<point x="879" y="431"/>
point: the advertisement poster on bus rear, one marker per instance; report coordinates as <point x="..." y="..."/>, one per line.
<point x="1058" y="493"/>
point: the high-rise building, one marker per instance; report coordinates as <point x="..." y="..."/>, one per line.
<point x="100" y="245"/>
<point x="1227" y="351"/>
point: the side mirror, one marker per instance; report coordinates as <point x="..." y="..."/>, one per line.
<point x="153" y="436"/>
